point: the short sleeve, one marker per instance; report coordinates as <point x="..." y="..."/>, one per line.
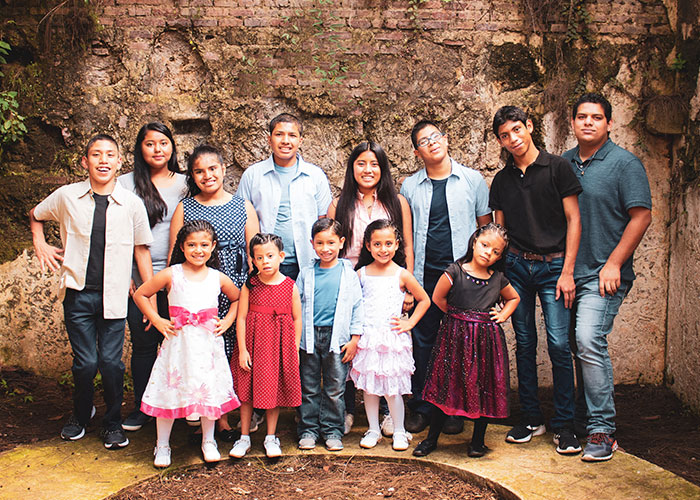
<point x="494" y="197"/>
<point x="142" y="228"/>
<point x="634" y="185"/>
<point x="504" y="282"/>
<point x="244" y="186"/>
<point x="50" y="208"/>
<point x="565" y="179"/>
<point x="481" y="206"/>
<point x="323" y="194"/>
<point x="453" y="271"/>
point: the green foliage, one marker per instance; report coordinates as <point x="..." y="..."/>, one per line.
<point x="66" y="379"/>
<point x="26" y="397"/>
<point x="577" y="20"/>
<point x="678" y="63"/>
<point x="12" y="126"/>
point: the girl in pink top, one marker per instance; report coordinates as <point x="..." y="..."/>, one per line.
<point x="369" y="194"/>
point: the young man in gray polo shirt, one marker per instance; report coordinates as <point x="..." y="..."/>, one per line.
<point x="615" y="214"/>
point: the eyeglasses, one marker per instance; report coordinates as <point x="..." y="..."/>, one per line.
<point x="425" y="141"/>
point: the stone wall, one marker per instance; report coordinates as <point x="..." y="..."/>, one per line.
<point x="218" y="70"/>
<point x="683" y="342"/>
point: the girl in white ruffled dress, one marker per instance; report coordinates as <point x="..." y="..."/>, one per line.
<point x="191" y="377"/>
<point x="384" y="361"/>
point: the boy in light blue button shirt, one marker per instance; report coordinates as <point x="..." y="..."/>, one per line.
<point x="331" y="301"/>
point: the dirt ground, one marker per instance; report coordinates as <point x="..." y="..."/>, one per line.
<point x="297" y="478"/>
<point x="652" y="424"/>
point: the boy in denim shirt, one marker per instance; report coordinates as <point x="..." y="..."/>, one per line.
<point x="331" y="298"/>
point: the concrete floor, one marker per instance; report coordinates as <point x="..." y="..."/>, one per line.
<point x="85" y="470"/>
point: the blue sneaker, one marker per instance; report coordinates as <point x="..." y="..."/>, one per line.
<point x="599" y="447"/>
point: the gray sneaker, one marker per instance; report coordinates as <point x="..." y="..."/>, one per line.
<point x="334" y="444"/>
<point x="307" y="442"/>
<point x="599" y="447"/>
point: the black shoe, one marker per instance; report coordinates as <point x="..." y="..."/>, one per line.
<point x="477" y="451"/>
<point x="425" y="448"/>
<point x="417" y="422"/>
<point x="226" y="435"/>
<point x="114" y="438"/>
<point x="135" y="421"/>
<point x="72" y="430"/>
<point x="453" y="425"/>
<point x="566" y="442"/>
<point x="524" y="433"/>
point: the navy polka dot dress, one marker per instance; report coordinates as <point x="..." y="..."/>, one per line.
<point x="229" y="223"/>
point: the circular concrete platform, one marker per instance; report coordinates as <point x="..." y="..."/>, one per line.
<point x="85" y="470"/>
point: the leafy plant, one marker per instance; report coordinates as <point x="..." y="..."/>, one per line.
<point x="678" y="63"/>
<point x="12" y="126"/>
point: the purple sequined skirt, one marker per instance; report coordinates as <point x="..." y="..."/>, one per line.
<point x="468" y="369"/>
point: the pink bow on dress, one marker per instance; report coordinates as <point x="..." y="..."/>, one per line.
<point x="181" y="317"/>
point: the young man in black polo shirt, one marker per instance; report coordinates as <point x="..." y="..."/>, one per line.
<point x="535" y="197"/>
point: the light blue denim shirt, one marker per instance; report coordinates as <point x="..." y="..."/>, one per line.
<point x="349" y="313"/>
<point x="310" y="196"/>
<point x="467" y="198"/>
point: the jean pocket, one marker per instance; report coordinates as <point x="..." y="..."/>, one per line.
<point x="555" y="265"/>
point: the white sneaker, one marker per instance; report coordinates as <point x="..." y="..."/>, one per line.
<point x="387" y="426"/>
<point x="401" y="440"/>
<point x="272" y="446"/>
<point x="334" y="444"/>
<point x="210" y="451"/>
<point x="349" y="420"/>
<point x="162" y="456"/>
<point x="307" y="443"/>
<point x="240" y="447"/>
<point x="370" y="439"/>
<point x="255" y="422"/>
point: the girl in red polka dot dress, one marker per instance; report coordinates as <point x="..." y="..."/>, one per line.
<point x="265" y="364"/>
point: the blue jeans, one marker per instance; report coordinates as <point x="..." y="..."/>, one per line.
<point x="531" y="278"/>
<point x="323" y="374"/>
<point x="291" y="270"/>
<point x="144" y="344"/>
<point x="423" y="336"/>
<point x="97" y="344"/>
<point x="594" y="321"/>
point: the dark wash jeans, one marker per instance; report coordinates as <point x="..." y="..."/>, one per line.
<point x="97" y="345"/>
<point x="144" y="344"/>
<point x="532" y="278"/>
<point x="323" y="374"/>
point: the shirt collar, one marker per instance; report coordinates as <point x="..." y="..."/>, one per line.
<point x="361" y="197"/>
<point x="302" y="166"/>
<point x="542" y="159"/>
<point x="118" y="194"/>
<point x="423" y="173"/>
<point x="598" y="155"/>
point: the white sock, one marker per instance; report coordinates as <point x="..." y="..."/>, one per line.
<point x="207" y="429"/>
<point x="372" y="411"/>
<point x="245" y="437"/>
<point x="163" y="428"/>
<point x="397" y="412"/>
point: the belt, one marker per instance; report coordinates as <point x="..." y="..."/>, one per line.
<point x="549" y="257"/>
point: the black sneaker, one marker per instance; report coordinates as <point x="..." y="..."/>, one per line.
<point x="135" y="421"/>
<point x="566" y="442"/>
<point x="114" y="438"/>
<point x="73" y="430"/>
<point x="524" y="433"/>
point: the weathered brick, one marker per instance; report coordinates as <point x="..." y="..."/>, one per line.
<point x="204" y="22"/>
<point x="231" y="21"/>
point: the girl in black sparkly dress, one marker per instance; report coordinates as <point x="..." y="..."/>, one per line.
<point x="468" y="370"/>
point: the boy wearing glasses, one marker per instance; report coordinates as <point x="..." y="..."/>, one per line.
<point x="448" y="201"/>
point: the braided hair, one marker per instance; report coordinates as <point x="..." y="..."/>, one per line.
<point x="261" y="239"/>
<point x="491" y="227"/>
